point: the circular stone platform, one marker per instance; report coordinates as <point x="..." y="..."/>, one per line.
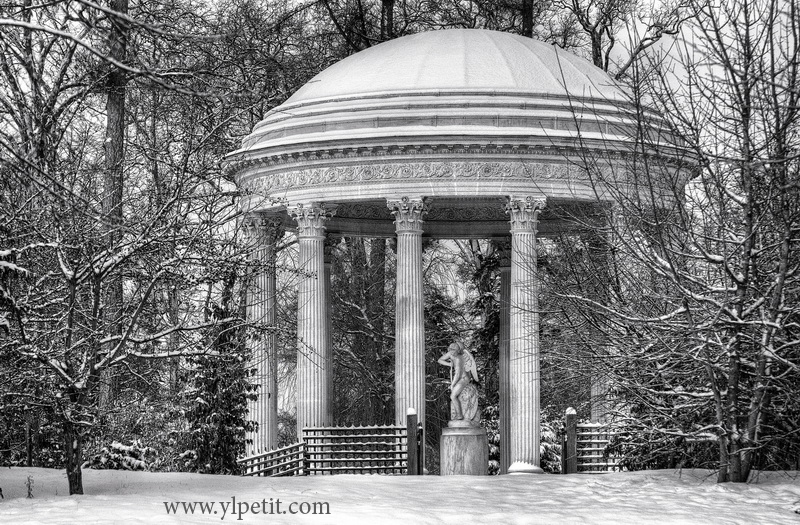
<point x="462" y="117"/>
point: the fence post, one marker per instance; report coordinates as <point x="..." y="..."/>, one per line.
<point x="305" y="459"/>
<point x="420" y="449"/>
<point x="411" y="442"/>
<point x="570" y="451"/>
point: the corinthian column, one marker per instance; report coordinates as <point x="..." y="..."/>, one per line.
<point x="409" y="350"/>
<point x="503" y="347"/>
<point x="313" y="358"/>
<point x="524" y="338"/>
<point x="264" y="232"/>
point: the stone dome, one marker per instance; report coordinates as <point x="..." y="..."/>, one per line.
<point x="460" y="60"/>
<point x="462" y="116"/>
<point x="480" y="82"/>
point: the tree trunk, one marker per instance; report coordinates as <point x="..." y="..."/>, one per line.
<point x="527" y="18"/>
<point x="597" y="51"/>
<point x="113" y="177"/>
<point x="376" y="308"/>
<point x="735" y="462"/>
<point x="387" y="19"/>
<point x="73" y="447"/>
<point x="28" y="444"/>
<point x="359" y="295"/>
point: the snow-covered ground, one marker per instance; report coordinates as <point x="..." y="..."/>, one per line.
<point x="620" y="498"/>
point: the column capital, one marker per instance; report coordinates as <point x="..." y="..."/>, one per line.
<point x="524" y="212"/>
<point x="311" y="218"/>
<point x="263" y="227"/>
<point x="408" y="213"/>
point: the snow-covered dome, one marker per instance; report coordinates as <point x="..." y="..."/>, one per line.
<point x="465" y="117"/>
<point x="469" y="81"/>
<point x="460" y="60"/>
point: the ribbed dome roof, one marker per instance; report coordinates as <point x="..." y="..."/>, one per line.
<point x="445" y="86"/>
<point x="452" y="114"/>
<point x="461" y="60"/>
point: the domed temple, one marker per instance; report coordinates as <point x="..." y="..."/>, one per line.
<point x="445" y="134"/>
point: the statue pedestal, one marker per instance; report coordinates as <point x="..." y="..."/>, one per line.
<point x="464" y="450"/>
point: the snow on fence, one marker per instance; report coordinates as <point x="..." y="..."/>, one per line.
<point x="286" y="461"/>
<point x="377" y="449"/>
<point x="592" y="440"/>
<point x="584" y="446"/>
<point x="356" y="450"/>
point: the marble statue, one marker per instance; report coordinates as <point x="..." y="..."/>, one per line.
<point x="463" y="380"/>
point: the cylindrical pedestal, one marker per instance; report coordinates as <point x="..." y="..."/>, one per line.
<point x="464" y="451"/>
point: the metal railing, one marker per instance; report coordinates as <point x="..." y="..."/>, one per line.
<point x="356" y="450"/>
<point x="285" y="461"/>
<point x="585" y="446"/>
<point x="376" y="449"/>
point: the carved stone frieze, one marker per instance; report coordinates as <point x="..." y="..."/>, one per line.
<point x="408" y="213"/>
<point x="311" y="218"/>
<point x="396" y="171"/>
<point x="362" y="211"/>
<point x="524" y="212"/>
<point x="467" y="214"/>
<point x="482" y="211"/>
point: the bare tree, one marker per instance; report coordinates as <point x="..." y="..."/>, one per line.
<point x="702" y="316"/>
<point x="83" y="216"/>
<point x="601" y="23"/>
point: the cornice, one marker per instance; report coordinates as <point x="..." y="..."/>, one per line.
<point x="352" y="153"/>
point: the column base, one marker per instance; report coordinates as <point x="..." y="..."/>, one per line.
<point x="464" y="451"/>
<point x="520" y="467"/>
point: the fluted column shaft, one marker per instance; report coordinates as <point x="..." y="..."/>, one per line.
<point x="329" y="247"/>
<point x="264" y="232"/>
<point x="524" y="338"/>
<point x="313" y="357"/>
<point x="409" y="362"/>
<point x="503" y="346"/>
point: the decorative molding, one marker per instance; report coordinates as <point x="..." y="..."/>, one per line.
<point x="362" y="211"/>
<point x="399" y="171"/>
<point x="498" y="109"/>
<point x="311" y="218"/>
<point x="408" y="213"/>
<point x="238" y="164"/>
<point x="482" y="211"/>
<point x="467" y="214"/>
<point x="524" y="212"/>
